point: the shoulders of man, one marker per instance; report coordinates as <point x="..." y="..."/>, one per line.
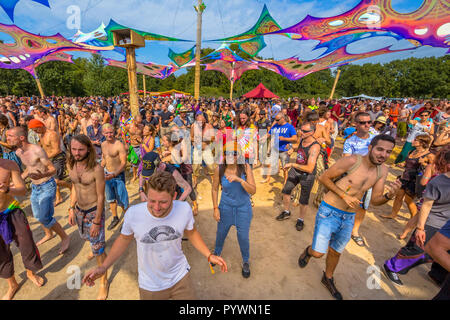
<point x="9" y="165"/>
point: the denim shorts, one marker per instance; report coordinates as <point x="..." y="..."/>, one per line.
<point x="333" y="228"/>
<point x="42" y="198"/>
<point x="115" y="190"/>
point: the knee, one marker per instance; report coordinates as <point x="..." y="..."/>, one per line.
<point x="315" y="254"/>
<point x="332" y="252"/>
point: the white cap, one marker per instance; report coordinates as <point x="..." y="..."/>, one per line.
<point x="171" y="108"/>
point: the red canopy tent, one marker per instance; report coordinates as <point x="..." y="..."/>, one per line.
<point x="260" y="92"/>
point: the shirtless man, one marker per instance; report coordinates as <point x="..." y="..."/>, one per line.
<point x="85" y="119"/>
<point x="135" y="130"/>
<point x="50" y="141"/>
<point x="114" y="160"/>
<point x="50" y="122"/>
<point x="43" y="190"/>
<point x="202" y="132"/>
<point x="87" y="209"/>
<point x="17" y="229"/>
<point x="336" y="214"/>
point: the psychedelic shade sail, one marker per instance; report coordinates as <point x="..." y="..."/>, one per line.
<point x="180" y="59"/>
<point x="223" y="53"/>
<point x="10" y="5"/>
<point x="149" y="69"/>
<point x="112" y="26"/>
<point x="252" y="46"/>
<point x="265" y="24"/>
<point x="28" y="48"/>
<point x="97" y="39"/>
<point x="428" y="25"/>
<point x="233" y="71"/>
<point x="294" y="69"/>
<point x="57" y="56"/>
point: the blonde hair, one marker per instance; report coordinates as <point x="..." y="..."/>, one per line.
<point x="107" y="126"/>
<point x="95" y="116"/>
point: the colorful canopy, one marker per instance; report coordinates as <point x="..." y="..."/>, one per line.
<point x="10" y="5"/>
<point x="150" y="69"/>
<point x="260" y="92"/>
<point x="180" y="59"/>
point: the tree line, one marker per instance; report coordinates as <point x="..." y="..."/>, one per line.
<point x="413" y="77"/>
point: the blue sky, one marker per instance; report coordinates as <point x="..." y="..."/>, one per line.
<point x="222" y="18"/>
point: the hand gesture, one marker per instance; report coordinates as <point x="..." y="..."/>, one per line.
<point x="36" y="175"/>
<point x="94" y="230"/>
<point x="3" y="187"/>
<point x="351" y="201"/>
<point x="217" y="214"/>
<point x="92" y="275"/>
<point x="72" y="219"/>
<point x="232" y="178"/>
<point x="287" y="166"/>
<point x="219" y="261"/>
<point x="109" y="176"/>
<point x="420" y="238"/>
<point x="393" y="188"/>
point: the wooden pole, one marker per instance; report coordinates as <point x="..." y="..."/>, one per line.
<point x="232" y="82"/>
<point x="132" y="78"/>
<point x="335" y="83"/>
<point x="199" y="8"/>
<point x="145" y="89"/>
<point x="41" y="91"/>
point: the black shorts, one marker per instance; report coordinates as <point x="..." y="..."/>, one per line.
<point x="409" y="186"/>
<point x="306" y="180"/>
<point x="59" y="161"/>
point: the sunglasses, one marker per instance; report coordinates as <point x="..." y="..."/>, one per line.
<point x="306" y="131"/>
<point x="365" y="122"/>
<point x="231" y="153"/>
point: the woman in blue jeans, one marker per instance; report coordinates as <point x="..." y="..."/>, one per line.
<point x="235" y="207"/>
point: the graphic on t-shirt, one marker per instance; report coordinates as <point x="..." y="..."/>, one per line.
<point x="161" y="234"/>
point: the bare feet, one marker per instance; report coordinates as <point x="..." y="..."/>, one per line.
<point x="90" y="256"/>
<point x="401" y="237"/>
<point x="11" y="292"/>
<point x="103" y="291"/>
<point x="390" y="216"/>
<point x="64" y="245"/>
<point x="38" y="281"/>
<point x="45" y="239"/>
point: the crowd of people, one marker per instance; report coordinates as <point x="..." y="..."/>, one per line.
<point x="168" y="145"/>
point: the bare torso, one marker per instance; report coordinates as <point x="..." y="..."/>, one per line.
<point x="135" y="131"/>
<point x="32" y="159"/>
<point x="355" y="184"/>
<point x="111" y="154"/>
<point x="5" y="178"/>
<point x="85" y="187"/>
<point x="50" y="142"/>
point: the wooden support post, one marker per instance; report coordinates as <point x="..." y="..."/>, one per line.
<point x="132" y="78"/>
<point x="145" y="88"/>
<point x="335" y="83"/>
<point x="199" y="10"/>
<point x="41" y="91"/>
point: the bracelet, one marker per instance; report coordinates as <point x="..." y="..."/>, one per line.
<point x="420" y="229"/>
<point x="209" y="257"/>
<point x="386" y="196"/>
<point x="98" y="224"/>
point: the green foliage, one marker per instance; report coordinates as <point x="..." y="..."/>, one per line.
<point x="425" y="77"/>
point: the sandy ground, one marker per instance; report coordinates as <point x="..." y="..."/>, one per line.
<point x="274" y="251"/>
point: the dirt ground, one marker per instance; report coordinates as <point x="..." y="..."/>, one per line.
<point x="274" y="251"/>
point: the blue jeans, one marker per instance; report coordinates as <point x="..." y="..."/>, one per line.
<point x="333" y="228"/>
<point x="42" y="198"/>
<point x="240" y="217"/>
<point x="115" y="190"/>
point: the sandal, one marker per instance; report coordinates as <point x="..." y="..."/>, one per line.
<point x="304" y="258"/>
<point x="359" y="241"/>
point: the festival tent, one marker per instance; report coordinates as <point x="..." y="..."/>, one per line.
<point x="260" y="92"/>
<point x="363" y="96"/>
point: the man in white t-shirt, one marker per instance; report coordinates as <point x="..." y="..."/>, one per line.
<point x="158" y="226"/>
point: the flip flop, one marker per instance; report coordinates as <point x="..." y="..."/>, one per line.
<point x="359" y="241"/>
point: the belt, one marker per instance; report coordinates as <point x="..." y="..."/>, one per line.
<point x="85" y="212"/>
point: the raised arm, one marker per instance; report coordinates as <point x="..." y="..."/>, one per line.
<point x="183" y="184"/>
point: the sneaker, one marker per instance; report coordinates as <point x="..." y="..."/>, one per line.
<point x="115" y="221"/>
<point x="299" y="225"/>
<point x="304" y="258"/>
<point x="284" y="215"/>
<point x="246" y="270"/>
<point x="393" y="276"/>
<point x="329" y="284"/>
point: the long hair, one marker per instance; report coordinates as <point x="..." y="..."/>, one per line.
<point x="442" y="160"/>
<point x="91" y="157"/>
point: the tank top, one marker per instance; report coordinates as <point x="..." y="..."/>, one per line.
<point x="412" y="167"/>
<point x="233" y="194"/>
<point x="303" y="156"/>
